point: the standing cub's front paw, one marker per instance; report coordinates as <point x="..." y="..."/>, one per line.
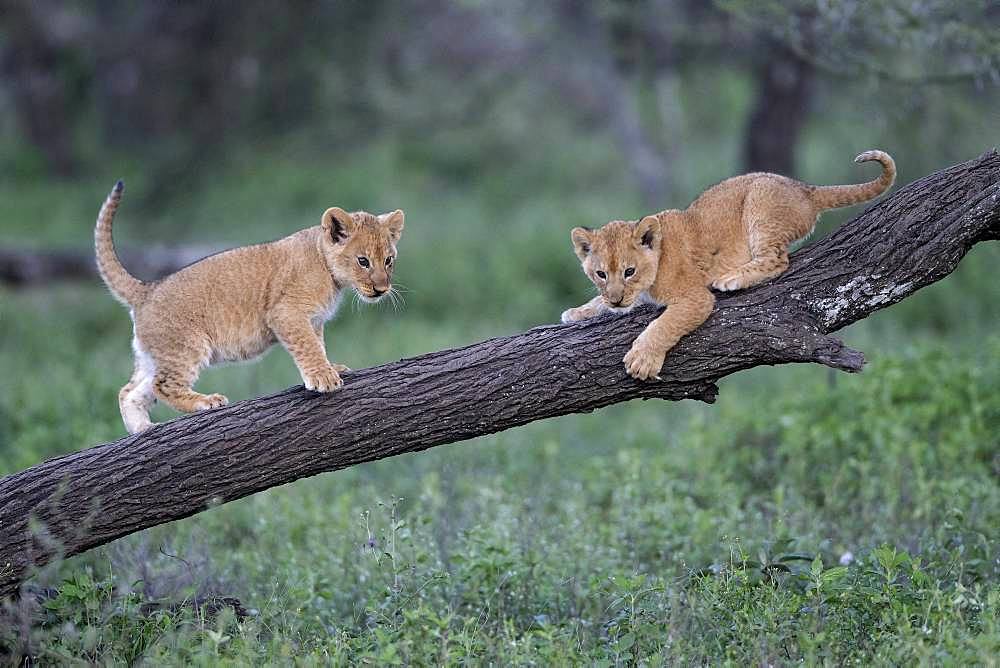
<point x="324" y="380"/>
<point x="644" y="361"/>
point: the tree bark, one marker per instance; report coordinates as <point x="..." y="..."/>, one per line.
<point x="908" y="240"/>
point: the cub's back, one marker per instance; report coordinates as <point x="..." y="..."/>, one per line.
<point x="231" y="290"/>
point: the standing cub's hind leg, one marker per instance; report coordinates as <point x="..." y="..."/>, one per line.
<point x="172" y="385"/>
<point x="136" y="398"/>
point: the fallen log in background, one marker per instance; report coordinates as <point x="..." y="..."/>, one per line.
<point x="25" y="267"/>
<point x="910" y="239"/>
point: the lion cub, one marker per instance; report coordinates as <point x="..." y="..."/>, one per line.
<point x="235" y="305"/>
<point x="736" y="234"/>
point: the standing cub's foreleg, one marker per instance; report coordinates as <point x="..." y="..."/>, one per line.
<point x="304" y="343"/>
<point x="592" y="308"/>
<point x="687" y="307"/>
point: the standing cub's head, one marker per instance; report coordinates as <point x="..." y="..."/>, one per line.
<point x="621" y="259"/>
<point x="360" y="249"/>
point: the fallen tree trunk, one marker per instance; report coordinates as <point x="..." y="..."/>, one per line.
<point x="23" y="267"/>
<point x="906" y="241"/>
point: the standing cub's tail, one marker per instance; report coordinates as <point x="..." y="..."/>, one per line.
<point x="832" y="197"/>
<point x="125" y="287"/>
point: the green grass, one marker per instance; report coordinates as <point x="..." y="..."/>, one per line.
<point x="645" y="533"/>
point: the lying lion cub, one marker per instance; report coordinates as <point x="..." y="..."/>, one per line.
<point x="233" y="306"/>
<point x="736" y="234"/>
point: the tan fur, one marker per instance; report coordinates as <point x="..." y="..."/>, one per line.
<point x="233" y="306"/>
<point x="736" y="234"/>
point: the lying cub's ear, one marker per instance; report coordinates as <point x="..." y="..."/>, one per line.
<point x="647" y="232"/>
<point x="394" y="223"/>
<point x="338" y="223"/>
<point x="581" y="237"/>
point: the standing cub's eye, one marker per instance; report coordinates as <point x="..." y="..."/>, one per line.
<point x="629" y="272"/>
<point x="388" y="261"/>
<point x="601" y="275"/>
<point x="363" y="261"/>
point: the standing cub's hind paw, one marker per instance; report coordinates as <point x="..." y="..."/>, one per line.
<point x="326" y="380"/>
<point x="210" y="401"/>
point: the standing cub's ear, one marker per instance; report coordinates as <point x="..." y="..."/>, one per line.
<point x="338" y="223"/>
<point x="581" y="242"/>
<point x="647" y="232"/>
<point x="394" y="223"/>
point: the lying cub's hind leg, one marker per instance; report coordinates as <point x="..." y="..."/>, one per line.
<point x="770" y="230"/>
<point x="172" y="385"/>
<point x="767" y="263"/>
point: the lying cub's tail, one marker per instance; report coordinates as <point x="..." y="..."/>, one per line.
<point x="125" y="287"/>
<point x="832" y="197"/>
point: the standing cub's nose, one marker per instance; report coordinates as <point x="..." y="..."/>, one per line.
<point x="378" y="292"/>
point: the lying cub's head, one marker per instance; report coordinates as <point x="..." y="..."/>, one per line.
<point x="360" y="249"/>
<point x="620" y="258"/>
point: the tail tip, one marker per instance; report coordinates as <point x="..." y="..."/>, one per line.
<point x="119" y="187"/>
<point x="874" y="154"/>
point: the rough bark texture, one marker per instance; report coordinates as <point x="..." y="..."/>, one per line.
<point x="908" y="240"/>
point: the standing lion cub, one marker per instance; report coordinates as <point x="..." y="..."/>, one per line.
<point x="233" y="306"/>
<point x="736" y="234"/>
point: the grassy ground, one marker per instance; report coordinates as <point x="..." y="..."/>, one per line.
<point x="805" y="517"/>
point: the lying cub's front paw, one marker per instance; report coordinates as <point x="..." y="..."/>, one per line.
<point x="325" y="380"/>
<point x="728" y="282"/>
<point x="576" y="314"/>
<point x="643" y="361"/>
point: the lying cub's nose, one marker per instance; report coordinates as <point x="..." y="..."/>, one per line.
<point x="378" y="292"/>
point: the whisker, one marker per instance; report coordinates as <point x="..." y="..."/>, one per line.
<point x="400" y="287"/>
<point x="396" y="299"/>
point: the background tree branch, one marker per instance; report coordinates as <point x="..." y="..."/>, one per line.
<point x="906" y="241"/>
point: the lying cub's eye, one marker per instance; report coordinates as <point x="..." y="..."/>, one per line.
<point x="388" y="261"/>
<point x="363" y="261"/>
<point x="601" y="275"/>
<point x="630" y="272"/>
